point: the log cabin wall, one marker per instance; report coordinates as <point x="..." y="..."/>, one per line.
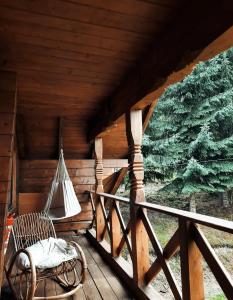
<point x="7" y="132"/>
<point x="35" y="182"/>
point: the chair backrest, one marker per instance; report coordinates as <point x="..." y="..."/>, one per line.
<point x="31" y="228"/>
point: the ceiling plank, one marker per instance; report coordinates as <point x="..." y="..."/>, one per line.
<point x="83" y="13"/>
<point x="180" y="46"/>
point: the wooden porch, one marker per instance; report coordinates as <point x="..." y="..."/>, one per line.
<point x="85" y="76"/>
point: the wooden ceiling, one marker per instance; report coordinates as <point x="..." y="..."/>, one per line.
<point x="72" y="57"/>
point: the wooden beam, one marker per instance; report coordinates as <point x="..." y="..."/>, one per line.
<point x="7" y="106"/>
<point x="222" y="43"/>
<point x="112" y="182"/>
<point x="181" y="45"/>
<point x="147" y="114"/>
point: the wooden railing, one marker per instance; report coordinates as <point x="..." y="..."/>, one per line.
<point x="188" y="240"/>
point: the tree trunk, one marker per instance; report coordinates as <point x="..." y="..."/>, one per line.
<point x="225" y="199"/>
<point x="192" y="204"/>
<point x="230" y="197"/>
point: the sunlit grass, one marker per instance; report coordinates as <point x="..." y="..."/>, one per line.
<point x="218" y="297"/>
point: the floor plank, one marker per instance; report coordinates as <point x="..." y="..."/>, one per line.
<point x="117" y="286"/>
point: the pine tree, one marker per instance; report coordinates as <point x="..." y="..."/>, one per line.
<point x="189" y="140"/>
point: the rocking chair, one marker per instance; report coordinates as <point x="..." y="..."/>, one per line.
<point x="35" y="228"/>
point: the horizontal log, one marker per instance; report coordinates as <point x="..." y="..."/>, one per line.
<point x="84" y="215"/>
<point x="47" y="181"/>
<point x="41" y="173"/>
<point x="7" y="106"/>
<point x="72" y="226"/>
<point x="73" y="164"/>
<point x="6" y="123"/>
<point x="8" y="83"/>
<point x="45" y="189"/>
<point x="6" y="144"/>
<point x="5" y="186"/>
<point x="5" y="168"/>
<point x="35" y="202"/>
<point x="4" y="197"/>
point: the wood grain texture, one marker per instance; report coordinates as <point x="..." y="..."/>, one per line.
<point x="7" y="130"/>
<point x="139" y="237"/>
<point x="35" y="182"/>
<point x="191" y="264"/>
<point x="139" y="85"/>
<point x="69" y="56"/>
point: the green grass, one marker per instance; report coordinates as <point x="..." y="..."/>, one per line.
<point x="218" y="297"/>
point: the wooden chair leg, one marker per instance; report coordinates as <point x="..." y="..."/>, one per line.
<point x="30" y="283"/>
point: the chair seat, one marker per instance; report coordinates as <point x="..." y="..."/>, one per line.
<point x="48" y="253"/>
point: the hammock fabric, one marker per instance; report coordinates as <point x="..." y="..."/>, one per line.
<point x="62" y="201"/>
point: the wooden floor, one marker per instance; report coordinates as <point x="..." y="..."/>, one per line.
<point x="100" y="283"/>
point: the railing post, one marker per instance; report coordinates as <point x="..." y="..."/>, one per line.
<point x="139" y="237"/>
<point x="115" y="229"/>
<point x="100" y="222"/>
<point x="191" y="264"/>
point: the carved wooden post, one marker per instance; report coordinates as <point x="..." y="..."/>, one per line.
<point x="191" y="264"/>
<point x="140" y="248"/>
<point x="99" y="188"/>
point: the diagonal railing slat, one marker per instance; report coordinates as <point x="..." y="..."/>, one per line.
<point x="171" y="248"/>
<point x="217" y="268"/>
<point x="188" y="240"/>
<point x="159" y="252"/>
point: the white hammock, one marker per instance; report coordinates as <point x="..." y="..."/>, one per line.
<point x="62" y="201"/>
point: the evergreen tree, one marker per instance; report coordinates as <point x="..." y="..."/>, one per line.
<point x="189" y="140"/>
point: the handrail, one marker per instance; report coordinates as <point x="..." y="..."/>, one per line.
<point x="213" y="222"/>
<point x="188" y="240"/>
<point x="217" y="223"/>
<point x="112" y="197"/>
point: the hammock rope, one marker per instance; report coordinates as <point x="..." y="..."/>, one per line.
<point x="62" y="201"/>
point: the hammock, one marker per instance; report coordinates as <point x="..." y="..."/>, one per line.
<point x="62" y="201"/>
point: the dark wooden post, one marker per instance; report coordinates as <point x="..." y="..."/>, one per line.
<point x="7" y="132"/>
<point x="100" y="222"/>
<point x="140" y="249"/>
<point x="191" y="264"/>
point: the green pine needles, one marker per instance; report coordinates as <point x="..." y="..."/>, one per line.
<point x="189" y="141"/>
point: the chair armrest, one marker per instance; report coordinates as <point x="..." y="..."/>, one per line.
<point x="83" y="259"/>
<point x="32" y="268"/>
<point x="14" y="257"/>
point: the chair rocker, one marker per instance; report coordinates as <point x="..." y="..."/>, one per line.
<point x="28" y="230"/>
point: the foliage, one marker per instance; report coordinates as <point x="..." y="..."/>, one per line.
<point x="218" y="297"/>
<point x="189" y="140"/>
